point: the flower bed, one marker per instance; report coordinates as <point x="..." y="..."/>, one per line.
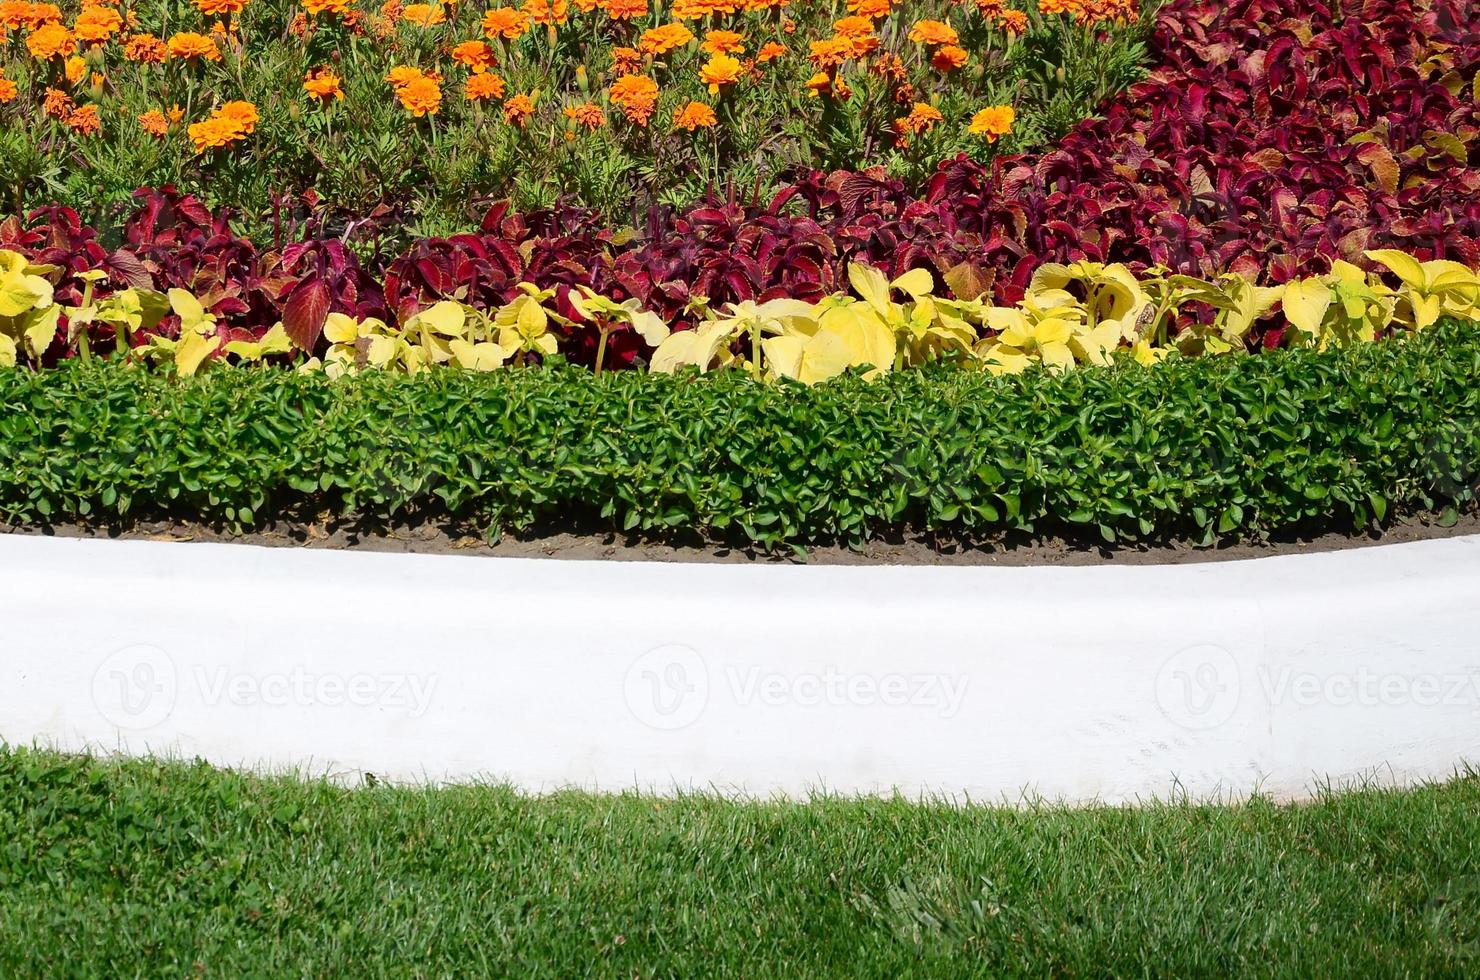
<point x="1359" y="131"/>
<point x="1245" y="197"/>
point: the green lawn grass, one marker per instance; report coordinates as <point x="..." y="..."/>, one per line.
<point x="166" y="869"/>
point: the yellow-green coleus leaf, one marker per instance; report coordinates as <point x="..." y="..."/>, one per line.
<point x="192" y="350"/>
<point x="444" y="319"/>
<point x="699" y="347"/>
<point x="875" y="288"/>
<point x="480" y="356"/>
<point x="596" y="308"/>
<point x="193" y="316"/>
<point x="275" y="341"/>
<point x="1305" y="302"/>
<point x="22" y="287"/>
<point x="524" y="325"/>
<point x="38" y="329"/>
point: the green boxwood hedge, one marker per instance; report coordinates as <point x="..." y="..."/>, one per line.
<point x="1195" y="448"/>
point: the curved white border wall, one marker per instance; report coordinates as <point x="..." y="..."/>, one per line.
<point x="1097" y="683"/>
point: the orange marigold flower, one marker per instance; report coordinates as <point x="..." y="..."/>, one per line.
<point x="192" y="47"/>
<point x="551" y="12"/>
<point x="870" y="8"/>
<point x="717" y="7"/>
<point x="933" y="32"/>
<point x="424" y="14"/>
<point x="51" y="40"/>
<point x="1051" y="7"/>
<point x="154" y="123"/>
<point x="97" y="24"/>
<point x="991" y="8"/>
<point x="322" y="84"/>
<point x="922" y="119"/>
<point x="769" y="51"/>
<point x="505" y="22"/>
<point x="220" y="8"/>
<point x="830" y="53"/>
<point x="720" y="70"/>
<point x="403" y="75"/>
<point x="16" y="15"/>
<point x="854" y="27"/>
<point x="888" y="66"/>
<point x="145" y="49"/>
<point x="85" y="121"/>
<point x="624" y="9"/>
<point x="518" y="109"/>
<point x="723" y="42"/>
<point x="819" y="84"/>
<point x="626" y="61"/>
<point x="948" y="57"/>
<point x="586" y="114"/>
<point x="992" y="122"/>
<point x="338" y="7"/>
<point x="8" y="91"/>
<point x="57" y="104"/>
<point x="1013" y="21"/>
<point x="695" y="115"/>
<point x="175" y="114"/>
<point x="74" y="69"/>
<point x="217" y="131"/>
<point x="661" y="40"/>
<point x="477" y="56"/>
<point x="242" y="114"/>
<point x="638" y="97"/>
<point x="483" y="86"/>
<point x="421" y="96"/>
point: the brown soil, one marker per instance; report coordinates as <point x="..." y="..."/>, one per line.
<point x="1013" y="550"/>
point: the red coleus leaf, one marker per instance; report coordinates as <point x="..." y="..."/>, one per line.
<point x="305" y="311"/>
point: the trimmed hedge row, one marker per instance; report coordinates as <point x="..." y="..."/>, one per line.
<point x="1192" y="448"/>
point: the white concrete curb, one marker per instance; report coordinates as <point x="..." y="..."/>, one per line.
<point x="1100" y="683"/>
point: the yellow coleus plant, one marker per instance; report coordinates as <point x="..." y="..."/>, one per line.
<point x="845" y="334"/>
<point x="274" y="341"/>
<point x="1237" y="305"/>
<point x="127" y="311"/>
<point x="607" y="314"/>
<point x="196" y="341"/>
<point x="708" y="345"/>
<point x="526" y="323"/>
<point x="1430" y="289"/>
<point x="1112" y="294"/>
<point x="1344" y="307"/>
<point x="926" y="326"/>
<point x="368" y="344"/>
<point x="28" y="317"/>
